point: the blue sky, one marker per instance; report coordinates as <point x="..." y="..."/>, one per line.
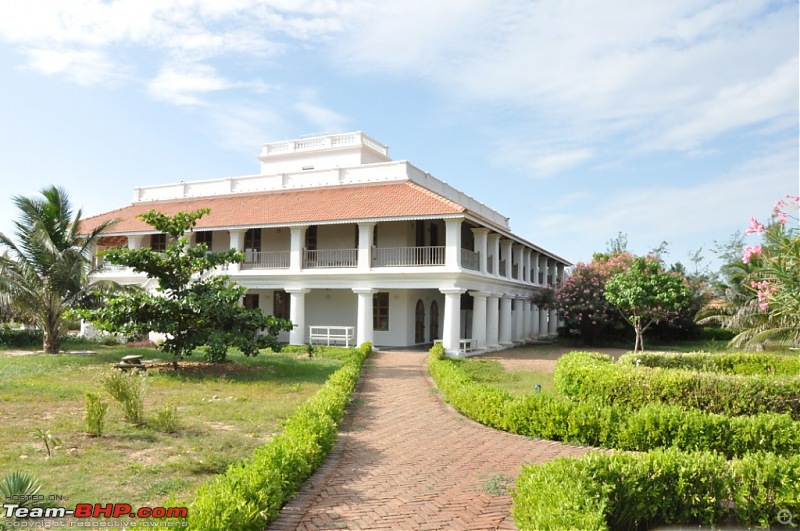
<point x="669" y="121"/>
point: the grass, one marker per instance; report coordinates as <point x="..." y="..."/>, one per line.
<point x="516" y="382"/>
<point x="222" y="418"/>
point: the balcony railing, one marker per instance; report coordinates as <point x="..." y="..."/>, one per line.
<point x="407" y="256"/>
<point x="502" y="268"/>
<point x="330" y="258"/>
<point x="490" y="265"/>
<point x="266" y="260"/>
<point x="470" y="260"/>
<point x="515" y="271"/>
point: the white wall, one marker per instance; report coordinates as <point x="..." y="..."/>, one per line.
<point x="336" y="236"/>
<point x="279" y="239"/>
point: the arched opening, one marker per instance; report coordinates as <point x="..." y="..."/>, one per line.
<point x="419" y="322"/>
<point x="434" y="321"/>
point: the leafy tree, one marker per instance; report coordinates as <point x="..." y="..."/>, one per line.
<point x="646" y="294"/>
<point x="192" y="305"/>
<point x="580" y="299"/>
<point x="47" y="270"/>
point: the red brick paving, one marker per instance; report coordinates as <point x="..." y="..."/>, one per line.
<point x="405" y="460"/>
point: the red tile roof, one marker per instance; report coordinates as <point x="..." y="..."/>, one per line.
<point x="318" y="205"/>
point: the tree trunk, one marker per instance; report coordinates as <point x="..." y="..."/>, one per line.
<point x="639" y="344"/>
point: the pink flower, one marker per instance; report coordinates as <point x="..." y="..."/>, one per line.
<point x="763" y="306"/>
<point x="749" y="252"/>
<point x="755" y="227"/>
<point x="781" y="218"/>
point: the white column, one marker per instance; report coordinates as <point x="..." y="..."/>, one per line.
<point x="237" y="242"/>
<point x="493" y="321"/>
<point x="535" y="263"/>
<point x="297" y="315"/>
<point x="526" y="319"/>
<point x="481" y="247"/>
<point x="559" y="274"/>
<point x="452" y="250"/>
<point x="543" y="322"/>
<point x="543" y="268"/>
<point x="365" y="231"/>
<point x="479" y="317"/>
<point x="506" y="247"/>
<point x="364" y="325"/>
<point x="535" y="321"/>
<point x="553" y="324"/>
<point x="519" y="313"/>
<point x="505" y="320"/>
<point x="135" y="242"/>
<point x="526" y="264"/>
<point x="494" y="250"/>
<point x="516" y="258"/>
<point x="553" y="274"/>
<point x="298" y="236"/>
<point x="452" y="319"/>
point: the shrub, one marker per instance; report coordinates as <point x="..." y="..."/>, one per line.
<point x="583" y="376"/>
<point x="662" y="487"/>
<point x="166" y="419"/>
<point x="95" y="414"/>
<point x="726" y="363"/>
<point x="129" y="390"/>
<point x="593" y="422"/>
<point x="10" y="337"/>
<point x="254" y="490"/>
<point x="717" y="334"/>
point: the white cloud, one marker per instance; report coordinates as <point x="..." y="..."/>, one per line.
<point x="183" y="84"/>
<point x="244" y="128"/>
<point x="323" y="119"/>
<point x="711" y="209"/>
<point x="654" y="75"/>
<point x="85" y="67"/>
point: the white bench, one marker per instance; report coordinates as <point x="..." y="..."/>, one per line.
<point x="336" y="334"/>
<point x="464" y="345"/>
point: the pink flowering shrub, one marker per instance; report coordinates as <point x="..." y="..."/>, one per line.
<point x="580" y="299"/>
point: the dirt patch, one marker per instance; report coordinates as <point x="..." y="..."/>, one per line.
<point x="541" y="358"/>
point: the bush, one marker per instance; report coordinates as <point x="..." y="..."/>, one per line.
<point x="592" y="422"/>
<point x="95" y="414"/>
<point x="717" y="334"/>
<point x="584" y="376"/>
<point x="640" y="491"/>
<point x="10" y="337"/>
<point x="726" y="363"/>
<point x="166" y="420"/>
<point x="129" y="391"/>
<point x="250" y="494"/>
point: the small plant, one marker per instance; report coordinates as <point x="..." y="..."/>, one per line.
<point x="21" y="487"/>
<point x="48" y="439"/>
<point x="310" y="349"/>
<point x="95" y="414"/>
<point x="129" y="391"/>
<point x="498" y="484"/>
<point x="166" y="420"/>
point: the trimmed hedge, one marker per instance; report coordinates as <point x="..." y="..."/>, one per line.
<point x="662" y="487"/>
<point x="591" y="422"/>
<point x="727" y="363"/>
<point x="590" y="376"/>
<point x="250" y="494"/>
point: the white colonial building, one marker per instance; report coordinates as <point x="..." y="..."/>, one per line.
<point x="351" y="245"/>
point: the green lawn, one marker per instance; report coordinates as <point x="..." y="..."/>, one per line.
<point x="224" y="415"/>
<point x="515" y="382"/>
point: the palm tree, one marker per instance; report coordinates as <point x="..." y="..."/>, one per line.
<point x="47" y="270"/>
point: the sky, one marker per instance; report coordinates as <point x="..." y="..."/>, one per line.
<point x="666" y="121"/>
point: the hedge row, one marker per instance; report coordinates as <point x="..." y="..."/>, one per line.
<point x="589" y="376"/>
<point x="10" y="337"/>
<point x="662" y="487"/>
<point x="589" y="422"/>
<point x="727" y="363"/>
<point x="250" y="494"/>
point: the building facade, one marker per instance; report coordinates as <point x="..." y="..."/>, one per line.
<point x="353" y="246"/>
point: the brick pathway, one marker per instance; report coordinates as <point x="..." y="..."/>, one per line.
<point x="405" y="460"/>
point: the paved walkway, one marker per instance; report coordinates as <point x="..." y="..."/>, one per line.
<point x="406" y="460"/>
